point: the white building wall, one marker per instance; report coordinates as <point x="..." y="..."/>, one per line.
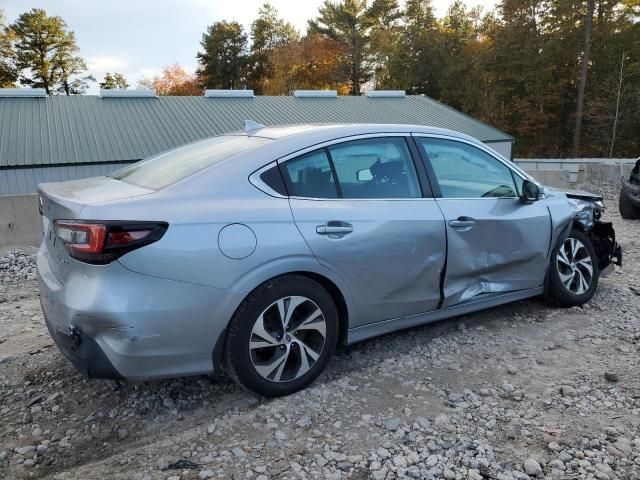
<point x="503" y="148"/>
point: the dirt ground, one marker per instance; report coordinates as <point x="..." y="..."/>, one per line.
<point x="521" y="391"/>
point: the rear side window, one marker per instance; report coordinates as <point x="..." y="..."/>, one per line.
<point x="172" y="166"/>
<point x="375" y="168"/>
<point x="311" y="176"/>
<point x="367" y="168"/>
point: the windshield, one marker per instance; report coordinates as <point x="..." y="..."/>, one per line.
<point x="169" y="167"/>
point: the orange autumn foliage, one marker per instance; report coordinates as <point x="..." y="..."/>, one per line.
<point x="174" y="80"/>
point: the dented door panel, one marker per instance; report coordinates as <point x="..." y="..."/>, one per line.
<point x="503" y="247"/>
<point x="391" y="259"/>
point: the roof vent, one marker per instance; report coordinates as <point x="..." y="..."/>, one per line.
<point x="315" y="93"/>
<point x="386" y="94"/>
<point x="113" y="93"/>
<point x="23" y="92"/>
<point x="215" y="93"/>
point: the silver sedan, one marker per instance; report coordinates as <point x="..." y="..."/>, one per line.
<point x="260" y="251"/>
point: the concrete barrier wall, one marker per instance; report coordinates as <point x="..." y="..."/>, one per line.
<point x="552" y="178"/>
<point x="607" y="172"/>
<point x="20" y="223"/>
<point x="607" y="169"/>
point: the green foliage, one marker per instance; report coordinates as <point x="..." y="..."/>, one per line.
<point x="45" y="51"/>
<point x="384" y="17"/>
<point x="268" y="32"/>
<point x="114" y="81"/>
<point x="8" y="70"/>
<point x="70" y="82"/>
<point x="349" y="23"/>
<point x="225" y="56"/>
<point x="519" y="69"/>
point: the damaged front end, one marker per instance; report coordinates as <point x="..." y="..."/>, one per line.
<point x="587" y="211"/>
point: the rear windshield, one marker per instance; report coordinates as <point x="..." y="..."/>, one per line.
<point x="169" y="167"/>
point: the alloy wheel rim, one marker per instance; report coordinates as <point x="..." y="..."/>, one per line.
<point x="287" y="339"/>
<point x="575" y="266"/>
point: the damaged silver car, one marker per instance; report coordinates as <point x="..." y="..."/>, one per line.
<point x="261" y="251"/>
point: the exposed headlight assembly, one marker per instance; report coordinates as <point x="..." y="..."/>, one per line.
<point x="586" y="212"/>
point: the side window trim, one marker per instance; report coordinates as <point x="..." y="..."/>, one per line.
<point x="334" y="174"/>
<point x="425" y="183"/>
<point x="423" y="160"/>
<point x="432" y="174"/>
<point x="423" y="179"/>
<point x="256" y="180"/>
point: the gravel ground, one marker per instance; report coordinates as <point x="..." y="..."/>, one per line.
<point x="521" y="391"/>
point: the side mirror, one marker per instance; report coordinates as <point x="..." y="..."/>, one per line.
<point x="530" y="192"/>
<point x="364" y="175"/>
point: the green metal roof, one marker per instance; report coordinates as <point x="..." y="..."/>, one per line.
<point x="91" y="129"/>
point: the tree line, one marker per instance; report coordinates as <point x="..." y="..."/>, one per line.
<point x="562" y="76"/>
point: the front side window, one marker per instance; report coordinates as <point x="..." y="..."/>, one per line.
<point x="375" y="168"/>
<point x="171" y="166"/>
<point x="464" y="171"/>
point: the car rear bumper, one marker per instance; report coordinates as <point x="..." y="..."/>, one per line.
<point x="111" y="322"/>
<point x="83" y="351"/>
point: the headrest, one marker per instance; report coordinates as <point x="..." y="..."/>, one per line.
<point x="387" y="170"/>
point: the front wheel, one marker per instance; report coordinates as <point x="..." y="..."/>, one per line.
<point x="573" y="272"/>
<point x="282" y="336"/>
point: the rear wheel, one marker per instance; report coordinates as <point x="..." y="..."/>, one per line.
<point x="282" y="336"/>
<point x="573" y="275"/>
<point x="627" y="209"/>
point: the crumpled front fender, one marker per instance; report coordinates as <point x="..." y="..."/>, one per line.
<point x="580" y="210"/>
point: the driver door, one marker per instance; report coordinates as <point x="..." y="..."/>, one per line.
<point x="495" y="243"/>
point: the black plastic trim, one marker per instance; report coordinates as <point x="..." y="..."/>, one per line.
<point x="218" y="353"/>
<point x="274" y="180"/>
<point x="431" y="174"/>
<point x="84" y="353"/>
<point x="418" y="165"/>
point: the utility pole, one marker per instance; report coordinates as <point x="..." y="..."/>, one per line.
<point x="615" y="119"/>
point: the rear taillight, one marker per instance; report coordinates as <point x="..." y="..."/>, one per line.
<point x="101" y="242"/>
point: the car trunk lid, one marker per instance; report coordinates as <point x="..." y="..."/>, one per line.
<point x="66" y="201"/>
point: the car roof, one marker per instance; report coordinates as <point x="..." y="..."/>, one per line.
<point x="284" y="141"/>
<point x="291" y="138"/>
<point x="348" y="129"/>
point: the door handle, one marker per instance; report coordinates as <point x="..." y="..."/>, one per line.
<point x="463" y="223"/>
<point x="334" y="228"/>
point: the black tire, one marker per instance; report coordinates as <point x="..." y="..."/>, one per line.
<point x="559" y="293"/>
<point x="240" y="360"/>
<point x="627" y="209"/>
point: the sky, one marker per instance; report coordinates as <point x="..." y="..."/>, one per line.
<point x="138" y="38"/>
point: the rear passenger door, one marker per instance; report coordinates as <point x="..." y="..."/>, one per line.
<point x="495" y="242"/>
<point x="366" y="212"/>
